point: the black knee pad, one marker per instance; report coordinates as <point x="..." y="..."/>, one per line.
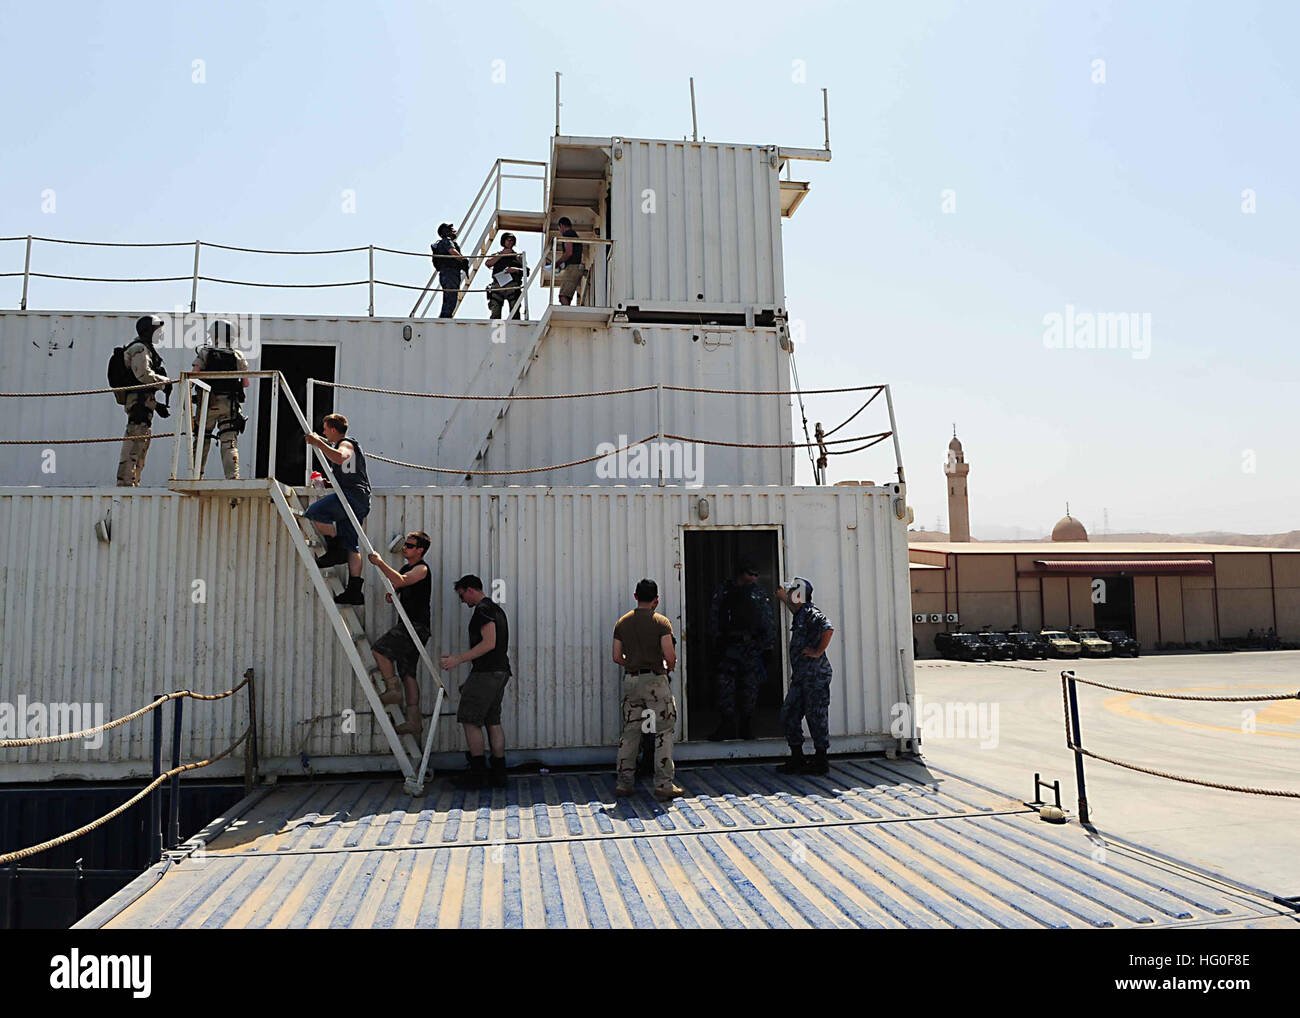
<point x="140" y="413"/>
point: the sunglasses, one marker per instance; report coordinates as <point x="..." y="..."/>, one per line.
<point x="408" y="544"/>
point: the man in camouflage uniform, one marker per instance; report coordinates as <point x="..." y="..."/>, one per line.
<point x="740" y="621"/>
<point x="146" y="365"/>
<point x="810" y="680"/>
<point x="506" y="263"/>
<point x="224" y="414"/>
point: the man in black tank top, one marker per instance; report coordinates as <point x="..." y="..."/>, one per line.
<point x="342" y="544"/>
<point x="414" y="586"/>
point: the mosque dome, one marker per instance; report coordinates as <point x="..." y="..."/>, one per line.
<point x="1069" y="529"/>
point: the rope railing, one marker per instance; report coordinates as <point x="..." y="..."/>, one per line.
<point x="1074" y="738"/>
<point x="166" y="698"/>
<point x="63" y="839"/>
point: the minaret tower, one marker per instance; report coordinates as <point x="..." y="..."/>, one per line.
<point x="956" y="468"/>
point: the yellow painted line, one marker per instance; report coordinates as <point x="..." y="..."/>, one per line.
<point x="408" y="913"/>
<point x="1288" y="709"/>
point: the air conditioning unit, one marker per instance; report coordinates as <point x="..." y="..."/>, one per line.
<point x="936" y="617"/>
<point x="919" y="617"/>
<point x="951" y="617"/>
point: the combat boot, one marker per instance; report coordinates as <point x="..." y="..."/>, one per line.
<point x="818" y="764"/>
<point x="746" y="727"/>
<point x="474" y="777"/>
<point x="335" y="554"/>
<point x="796" y="763"/>
<point x="352" y="593"/>
<point x="392" y="693"/>
<point x="497" y="775"/>
<point x="412" y="724"/>
<point x="725" y="730"/>
<point x="672" y="791"/>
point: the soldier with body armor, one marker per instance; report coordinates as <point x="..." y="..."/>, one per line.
<point x="224" y="413"/>
<point x="450" y="264"/>
<point x="507" y="267"/>
<point x="740" y="622"/>
<point x="138" y="363"/>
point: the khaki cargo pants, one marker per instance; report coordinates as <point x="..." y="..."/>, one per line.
<point x="222" y="414"/>
<point x="648" y="707"/>
<point x="139" y="408"/>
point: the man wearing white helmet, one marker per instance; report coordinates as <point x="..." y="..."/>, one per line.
<point x="224" y="413"/>
<point x="810" y="679"/>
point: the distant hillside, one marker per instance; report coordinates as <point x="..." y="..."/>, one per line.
<point x="1291" y="539"/>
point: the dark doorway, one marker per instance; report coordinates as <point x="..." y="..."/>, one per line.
<point x="1116" y="610"/>
<point x="712" y="557"/>
<point x="297" y="362"/>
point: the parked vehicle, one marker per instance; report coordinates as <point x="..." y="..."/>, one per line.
<point x="1091" y="645"/>
<point x="1058" y="644"/>
<point x="1027" y="645"/>
<point x="1122" y="642"/>
<point x="961" y="647"/>
<point x="1000" y="648"/>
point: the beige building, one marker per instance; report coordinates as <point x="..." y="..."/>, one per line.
<point x="955" y="469"/>
<point x="1162" y="593"/>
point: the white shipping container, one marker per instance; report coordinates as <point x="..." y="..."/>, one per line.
<point x="62" y="351"/>
<point x="193" y="590"/>
<point x="696" y="225"/>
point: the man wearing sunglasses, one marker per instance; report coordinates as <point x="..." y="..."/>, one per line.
<point x="414" y="586"/>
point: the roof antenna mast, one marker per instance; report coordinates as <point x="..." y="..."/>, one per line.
<point x="557" y="104"/>
<point x="695" y="131"/>
<point x="826" y="118"/>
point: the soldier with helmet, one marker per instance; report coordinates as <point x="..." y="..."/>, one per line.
<point x="507" y="276"/>
<point x="810" y="679"/>
<point x="224" y="413"/>
<point x="139" y="363"/>
<point x="742" y="628"/>
<point x="449" y="264"/>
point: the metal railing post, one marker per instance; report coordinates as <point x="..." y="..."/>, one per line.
<point x="196" y="467"/>
<point x="155" y="803"/>
<point x="250" y="753"/>
<point x="27" y="270"/>
<point x="311" y="423"/>
<point x="194" y="286"/>
<point x="554" y="250"/>
<point x="275" y="422"/>
<point x="372" y="280"/>
<point x="1077" y="739"/>
<point x="893" y="427"/>
<point x="174" y="793"/>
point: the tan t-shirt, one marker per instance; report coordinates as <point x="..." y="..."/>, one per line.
<point x="640" y="631"/>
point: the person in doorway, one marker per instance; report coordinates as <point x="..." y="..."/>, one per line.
<point x="450" y="264"/>
<point x="224" y="401"/>
<point x="483" y="691"/>
<point x="569" y="264"/>
<point x="643" y="648"/>
<point x="742" y="631"/>
<point x="414" y="586"/>
<point x="342" y="543"/>
<point x="141" y="364"/>
<point x="810" y="679"/>
<point x="506" y="287"/>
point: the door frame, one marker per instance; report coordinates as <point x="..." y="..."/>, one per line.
<point x="783" y="634"/>
<point x="255" y="403"/>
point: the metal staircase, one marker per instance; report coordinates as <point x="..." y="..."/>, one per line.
<point x="347" y="621"/>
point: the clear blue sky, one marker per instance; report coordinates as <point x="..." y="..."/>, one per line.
<point x="1122" y="196"/>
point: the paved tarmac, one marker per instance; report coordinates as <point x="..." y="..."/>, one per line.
<point x="1252" y="839"/>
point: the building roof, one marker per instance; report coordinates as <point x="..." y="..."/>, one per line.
<point x="1090" y="549"/>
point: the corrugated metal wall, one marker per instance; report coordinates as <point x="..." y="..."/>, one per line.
<point x="42" y="351"/>
<point x="714" y="236"/>
<point x="84" y="621"/>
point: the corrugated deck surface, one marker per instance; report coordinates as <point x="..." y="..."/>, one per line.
<point x="875" y="844"/>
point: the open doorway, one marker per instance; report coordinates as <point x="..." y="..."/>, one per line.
<point x="297" y="362"/>
<point x="712" y="557"/>
<point x="1115" y="609"/>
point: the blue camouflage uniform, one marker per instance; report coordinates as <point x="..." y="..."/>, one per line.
<point x="810" y="681"/>
<point x="741" y="661"/>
